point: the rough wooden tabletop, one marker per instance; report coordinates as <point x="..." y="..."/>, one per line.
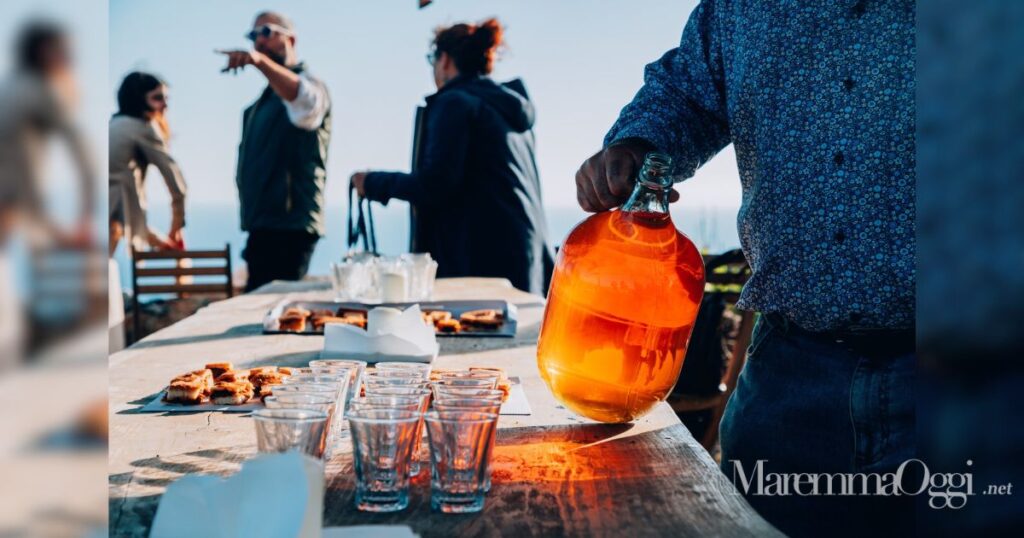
<point x="554" y="473"/>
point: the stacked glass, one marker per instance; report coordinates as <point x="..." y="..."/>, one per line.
<point x="461" y="445"/>
<point x="314" y="383"/>
<point x="382" y="443"/>
<point x="362" y="279"/>
<point x="354" y="370"/>
<point x="449" y="398"/>
<point x="283" y="430"/>
<point x="408" y="380"/>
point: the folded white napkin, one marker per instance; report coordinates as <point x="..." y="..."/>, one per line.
<point x="271" y="496"/>
<point x="390" y="334"/>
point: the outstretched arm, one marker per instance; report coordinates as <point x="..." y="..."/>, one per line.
<point x="282" y="80"/>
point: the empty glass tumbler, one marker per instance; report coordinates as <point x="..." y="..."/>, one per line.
<point x="460" y="453"/>
<point x="281" y="430"/>
<point x="382" y="443"/>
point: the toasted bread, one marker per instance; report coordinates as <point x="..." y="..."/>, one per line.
<point x="232" y="393"/>
<point x="448" y="326"/>
<point x="482" y="318"/>
<point x="188" y="392"/>
<point x="218" y="368"/>
<point x="295" y="324"/>
<point x="264" y="379"/>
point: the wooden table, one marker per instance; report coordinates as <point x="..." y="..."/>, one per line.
<point x="554" y="473"/>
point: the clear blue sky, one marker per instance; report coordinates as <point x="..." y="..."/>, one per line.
<point x="582" y="60"/>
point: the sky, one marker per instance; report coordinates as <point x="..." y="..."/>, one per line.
<point x="581" y="60"/>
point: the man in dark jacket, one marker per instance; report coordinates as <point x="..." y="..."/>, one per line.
<point x="282" y="156"/>
<point x="474" y="189"/>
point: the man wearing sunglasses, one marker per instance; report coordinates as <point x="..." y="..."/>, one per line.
<point x="282" y="156"/>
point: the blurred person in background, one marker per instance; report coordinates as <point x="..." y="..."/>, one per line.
<point x="282" y="157"/>
<point x="819" y="103"/>
<point x="474" y="187"/>
<point x="138" y="138"/>
<point x="36" y="103"/>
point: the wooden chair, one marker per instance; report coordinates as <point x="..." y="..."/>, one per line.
<point x="728" y="273"/>
<point x="141" y="270"/>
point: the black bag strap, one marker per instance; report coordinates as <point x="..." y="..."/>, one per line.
<point x="360" y="223"/>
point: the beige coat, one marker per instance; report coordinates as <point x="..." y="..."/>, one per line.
<point x="134" y="145"/>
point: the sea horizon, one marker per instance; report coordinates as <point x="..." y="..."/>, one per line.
<point x="212" y="225"/>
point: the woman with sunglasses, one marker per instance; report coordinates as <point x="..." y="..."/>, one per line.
<point x="138" y="138"/>
<point x="474" y="187"/>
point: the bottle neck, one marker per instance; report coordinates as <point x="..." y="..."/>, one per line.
<point x="649" y="199"/>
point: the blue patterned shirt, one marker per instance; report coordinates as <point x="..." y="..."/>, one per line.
<point x="818" y="100"/>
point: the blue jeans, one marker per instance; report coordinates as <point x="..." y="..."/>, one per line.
<point x="805" y="404"/>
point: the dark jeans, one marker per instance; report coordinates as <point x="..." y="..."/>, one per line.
<point x="805" y="404"/>
<point x="277" y="255"/>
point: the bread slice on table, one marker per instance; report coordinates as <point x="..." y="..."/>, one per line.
<point x="233" y="376"/>
<point x="482" y="318"/>
<point x="204" y="377"/>
<point x="294" y="324"/>
<point x="219" y="368"/>
<point x="232" y="393"/>
<point x="265" y="378"/>
<point x="448" y="325"/>
<point x="188" y="392"/>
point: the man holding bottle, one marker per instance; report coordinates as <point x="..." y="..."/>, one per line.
<point x="819" y="104"/>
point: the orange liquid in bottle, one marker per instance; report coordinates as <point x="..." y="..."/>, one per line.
<point x="622" y="302"/>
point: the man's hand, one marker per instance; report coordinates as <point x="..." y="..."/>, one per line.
<point x="176" y="236"/>
<point x="359" y="181"/>
<point x="606" y="179"/>
<point x="158" y="241"/>
<point x="238" y="59"/>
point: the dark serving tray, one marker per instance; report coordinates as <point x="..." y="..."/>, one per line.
<point x="505" y="330"/>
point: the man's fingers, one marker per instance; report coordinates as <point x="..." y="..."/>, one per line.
<point x="584" y="191"/>
<point x="599" y="186"/>
<point x="620" y="172"/>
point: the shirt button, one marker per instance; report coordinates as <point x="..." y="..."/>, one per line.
<point x="848" y="84"/>
<point x="839" y="237"/>
<point x="859" y="8"/>
<point x="838" y="158"/>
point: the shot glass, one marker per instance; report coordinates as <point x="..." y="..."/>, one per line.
<point x="395" y="372"/>
<point x="444" y="392"/>
<point x="482" y="405"/>
<point x="490" y="375"/>
<point x="421" y="396"/>
<point x="397" y="403"/>
<point x="315" y="402"/>
<point x="298" y="400"/>
<point x="479" y="405"/>
<point x="374" y="382"/>
<point x="420" y="368"/>
<point x="329" y="389"/>
<point x="354" y="369"/>
<point x="460" y="453"/>
<point x="382" y="442"/>
<point x="281" y="430"/>
<point x="469" y="382"/>
<point x="402" y="403"/>
<point x="340" y="380"/>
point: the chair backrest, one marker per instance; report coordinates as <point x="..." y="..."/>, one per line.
<point x="727" y="273"/>
<point x="171" y="273"/>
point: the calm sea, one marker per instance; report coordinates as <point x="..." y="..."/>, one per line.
<point x="213" y="225"/>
